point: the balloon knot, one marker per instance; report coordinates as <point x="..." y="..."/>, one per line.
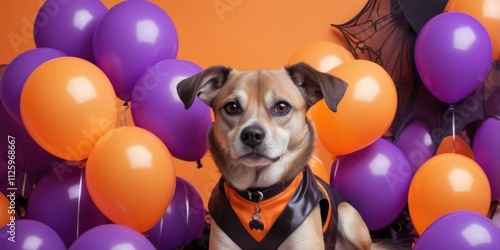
<point x="199" y="165"/>
<point x="82" y="164"/>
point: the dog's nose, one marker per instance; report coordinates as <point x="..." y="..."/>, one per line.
<point x="252" y="135"/>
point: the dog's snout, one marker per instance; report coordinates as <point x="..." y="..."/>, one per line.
<point x="253" y="135"/>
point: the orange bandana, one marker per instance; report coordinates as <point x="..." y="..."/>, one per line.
<point x="280" y="214"/>
<point x="270" y="208"/>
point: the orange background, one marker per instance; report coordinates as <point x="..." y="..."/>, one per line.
<point x="244" y="34"/>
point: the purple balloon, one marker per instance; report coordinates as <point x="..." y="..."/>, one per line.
<point x="453" y="55"/>
<point x="16" y="74"/>
<point x="183" y="221"/>
<point x="111" y="236"/>
<point x="460" y="230"/>
<point x="486" y="147"/>
<point x="69" y="26"/>
<point x="61" y="200"/>
<point x="416" y="143"/>
<point x="29" y="156"/>
<point x="157" y="108"/>
<point x="131" y="37"/>
<point x="30" y="234"/>
<point x="376" y="181"/>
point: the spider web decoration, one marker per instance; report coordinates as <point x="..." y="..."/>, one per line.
<point x="484" y="102"/>
<point x="381" y="33"/>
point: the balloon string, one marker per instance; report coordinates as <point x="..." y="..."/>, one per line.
<point x="160" y="233"/>
<point x="23" y="188"/>
<point x="79" y="206"/>
<point x="186" y="199"/>
<point x="193" y="177"/>
<point x="337" y="162"/>
<point x="124" y="116"/>
<point x="452" y="109"/>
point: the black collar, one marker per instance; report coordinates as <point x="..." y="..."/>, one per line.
<point x="260" y="194"/>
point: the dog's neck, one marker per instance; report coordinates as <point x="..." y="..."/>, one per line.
<point x="261" y="194"/>
<point x="242" y="178"/>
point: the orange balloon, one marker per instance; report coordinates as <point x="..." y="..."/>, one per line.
<point x="322" y="55"/>
<point x="461" y="147"/>
<point x="319" y="169"/>
<point x="5" y="211"/>
<point x="67" y="104"/>
<point x="130" y="177"/>
<point x="364" y="114"/>
<point x="447" y="183"/>
<point x="485" y="11"/>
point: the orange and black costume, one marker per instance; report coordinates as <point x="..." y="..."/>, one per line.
<point x="282" y="208"/>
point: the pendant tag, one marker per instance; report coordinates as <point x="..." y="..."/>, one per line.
<point x="255" y="223"/>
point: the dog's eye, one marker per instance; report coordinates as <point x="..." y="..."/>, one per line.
<point x="232" y="108"/>
<point x="282" y="108"/>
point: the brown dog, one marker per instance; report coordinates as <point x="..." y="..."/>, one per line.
<point x="261" y="141"/>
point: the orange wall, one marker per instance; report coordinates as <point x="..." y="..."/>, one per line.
<point x="244" y="34"/>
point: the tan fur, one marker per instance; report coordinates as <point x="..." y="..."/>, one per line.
<point x="261" y="91"/>
<point x="285" y="149"/>
<point x="354" y="233"/>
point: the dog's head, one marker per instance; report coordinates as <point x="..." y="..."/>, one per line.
<point x="260" y="118"/>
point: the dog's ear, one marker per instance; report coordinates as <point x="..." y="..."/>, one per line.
<point x="315" y="85"/>
<point x="205" y="85"/>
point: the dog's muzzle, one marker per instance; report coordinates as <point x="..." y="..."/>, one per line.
<point x="254" y="150"/>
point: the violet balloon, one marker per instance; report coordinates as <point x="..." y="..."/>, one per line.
<point x="131" y="37"/>
<point x="29" y="156"/>
<point x="111" y="236"/>
<point x="16" y="74"/>
<point x="416" y="143"/>
<point x="61" y="200"/>
<point x="375" y="180"/>
<point x="183" y="221"/>
<point x="486" y="146"/>
<point x="157" y="108"/>
<point x="68" y="26"/>
<point x="30" y="234"/>
<point x="453" y="55"/>
<point x="460" y="230"/>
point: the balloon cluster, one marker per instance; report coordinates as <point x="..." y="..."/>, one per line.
<point x="446" y="190"/>
<point x="63" y="102"/>
<point x="101" y="178"/>
<point x="453" y="190"/>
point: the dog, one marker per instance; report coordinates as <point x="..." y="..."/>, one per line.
<point x="261" y="141"/>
